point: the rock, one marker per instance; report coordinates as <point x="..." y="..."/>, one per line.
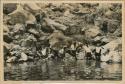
<point x="58" y="26"/>
<point x="11" y="59"/>
<point x="90" y="18"/>
<point x="116" y="56"/>
<point x="18" y="28"/>
<point x="112" y="26"/>
<point x="6" y="51"/>
<point x="23" y="57"/>
<point x="104" y="6"/>
<point x="58" y="39"/>
<point x="113" y="56"/>
<point x="98" y="38"/>
<point x="114" y="48"/>
<point x="109" y="14"/>
<point x="105" y="58"/>
<point x="113" y="44"/>
<point x="82" y="11"/>
<point x="34" y="32"/>
<point x="98" y="21"/>
<point x="67" y="13"/>
<point x="92" y="32"/>
<point x="42" y="5"/>
<point x="21" y="16"/>
<point x="5" y="29"/>
<point x="69" y="60"/>
<point x="7" y="38"/>
<point x="29" y="41"/>
<point x="9" y="8"/>
<point x="118" y="32"/>
<point x="31" y="7"/>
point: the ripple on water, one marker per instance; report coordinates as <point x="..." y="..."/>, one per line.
<point x="66" y="70"/>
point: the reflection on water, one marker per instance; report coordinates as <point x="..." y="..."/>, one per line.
<point x="54" y="70"/>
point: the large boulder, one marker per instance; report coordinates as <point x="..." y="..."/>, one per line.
<point x="21" y="16"/>
<point x="7" y="38"/>
<point x="23" y="57"/>
<point x="92" y="32"/>
<point x="31" y="7"/>
<point x="9" y="8"/>
<point x="58" y="39"/>
<point x="114" y="56"/>
<point x="113" y="45"/>
<point x="56" y="25"/>
<point x="112" y="25"/>
<point x="115" y="49"/>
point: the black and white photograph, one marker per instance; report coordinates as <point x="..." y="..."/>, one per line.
<point x="62" y="41"/>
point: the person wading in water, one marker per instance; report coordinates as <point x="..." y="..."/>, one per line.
<point x="72" y="50"/>
<point x="88" y="53"/>
<point x="97" y="53"/>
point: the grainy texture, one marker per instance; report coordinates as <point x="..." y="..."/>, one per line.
<point x="37" y="32"/>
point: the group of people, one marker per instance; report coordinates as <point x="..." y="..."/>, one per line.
<point x="73" y="49"/>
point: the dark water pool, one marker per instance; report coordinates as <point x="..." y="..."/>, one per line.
<point x="60" y="70"/>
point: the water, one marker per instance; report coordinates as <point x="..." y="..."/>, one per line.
<point x="63" y="70"/>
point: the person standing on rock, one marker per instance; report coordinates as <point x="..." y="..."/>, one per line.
<point x="105" y="27"/>
<point x="98" y="53"/>
<point x="73" y="49"/>
<point x="88" y="53"/>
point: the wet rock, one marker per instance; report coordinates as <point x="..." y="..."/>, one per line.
<point x="112" y="56"/>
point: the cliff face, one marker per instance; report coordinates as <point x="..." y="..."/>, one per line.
<point x="32" y="26"/>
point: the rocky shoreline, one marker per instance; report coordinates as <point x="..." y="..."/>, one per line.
<point x="29" y="28"/>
